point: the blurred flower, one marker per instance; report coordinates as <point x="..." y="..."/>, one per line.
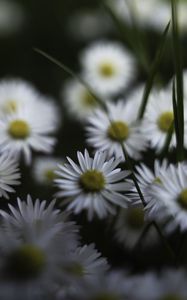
<point x="78" y="100"/>
<point x="9" y="175"/>
<point x="12" y="17"/>
<point x="169" y="198"/>
<point x="26" y="129"/>
<point x="107" y="67"/>
<point x="107" y="130"/>
<point x="44" y="169"/>
<point x="129" y="227"/>
<point x="158" y="119"/>
<point x="96" y="22"/>
<point x="94" y="185"/>
<point x="34" y="240"/>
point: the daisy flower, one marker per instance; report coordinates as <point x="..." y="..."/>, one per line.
<point x="25" y="130"/>
<point x="44" y="169"/>
<point x="34" y="240"/>
<point x="107" y="67"/>
<point x="83" y="265"/>
<point x="9" y="175"/>
<point x="129" y="227"/>
<point x="169" y="199"/>
<point x="168" y="284"/>
<point x="158" y="119"/>
<point x="146" y="178"/>
<point x="108" y="130"/>
<point x="94" y="184"/>
<point x="78" y="100"/>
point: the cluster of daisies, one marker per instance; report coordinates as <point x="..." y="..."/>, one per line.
<point x="143" y="201"/>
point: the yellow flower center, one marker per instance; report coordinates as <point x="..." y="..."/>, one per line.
<point x="26" y="262"/>
<point x="165" y="121"/>
<point x="135" y="217"/>
<point x="19" y="129"/>
<point x="182" y="199"/>
<point x="157" y="180"/>
<point x="76" y="269"/>
<point x="88" y="100"/>
<point x="50" y="175"/>
<point x="118" y="131"/>
<point x="106" y="69"/>
<point x="10" y="106"/>
<point x="92" y="181"/>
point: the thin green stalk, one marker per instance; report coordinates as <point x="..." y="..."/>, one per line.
<point x="177" y="57"/>
<point x="153" y="72"/>
<point x="71" y="73"/>
<point x="169" y="135"/>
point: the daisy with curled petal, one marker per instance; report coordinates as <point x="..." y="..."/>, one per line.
<point x="78" y="100"/>
<point x="95" y="184"/>
<point x="158" y="119"/>
<point x="107" y="67"/>
<point x="169" y="198"/>
<point x="44" y="169"/>
<point x="34" y="241"/>
<point x="9" y="175"/>
<point x="108" y="130"/>
<point x="25" y="130"/>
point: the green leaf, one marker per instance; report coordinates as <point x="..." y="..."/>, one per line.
<point x="153" y="72"/>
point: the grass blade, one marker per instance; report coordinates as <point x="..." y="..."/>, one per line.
<point x="71" y="73"/>
<point x="179" y="79"/>
<point x="153" y="72"/>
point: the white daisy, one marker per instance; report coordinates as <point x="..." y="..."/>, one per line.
<point x="158" y="118"/>
<point x="9" y="175"/>
<point x="111" y="286"/>
<point x="168" y="284"/>
<point x="130" y="225"/>
<point x="107" y="67"/>
<point x="44" y="169"/>
<point x="169" y="199"/>
<point x="94" y="184"/>
<point x="34" y="240"/>
<point x="15" y="93"/>
<point x="83" y="265"/>
<point x="107" y="130"/>
<point x="146" y="178"/>
<point x="78" y="100"/>
<point x="25" y="130"/>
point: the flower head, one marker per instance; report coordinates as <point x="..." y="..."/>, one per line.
<point x="94" y="184"/>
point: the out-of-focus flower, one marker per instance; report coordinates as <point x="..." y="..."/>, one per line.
<point x="78" y="100"/>
<point x="44" y="169"/>
<point x="107" y="67"/>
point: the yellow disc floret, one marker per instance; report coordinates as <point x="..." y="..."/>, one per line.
<point x="106" y="69"/>
<point x="88" y="100"/>
<point x="92" y="181"/>
<point x="26" y="262"/>
<point x="135" y="217"/>
<point x="182" y="199"/>
<point x="118" y="131"/>
<point x="19" y="129"/>
<point x="10" y="106"/>
<point x="165" y="121"/>
<point x="49" y="175"/>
